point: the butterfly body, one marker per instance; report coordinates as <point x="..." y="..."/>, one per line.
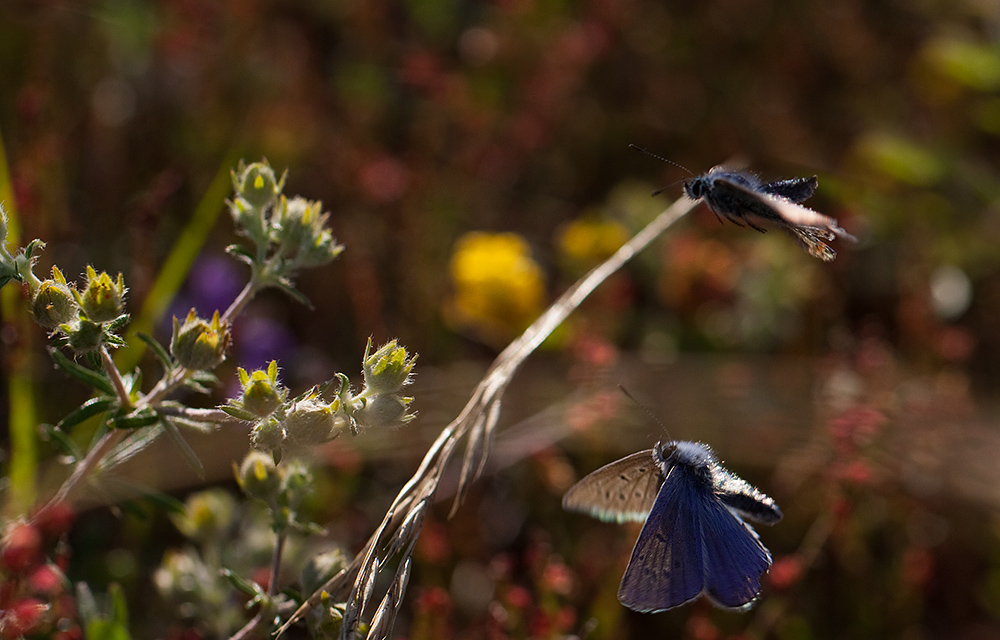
<point x="694" y="541"/>
<point x="742" y="198"/>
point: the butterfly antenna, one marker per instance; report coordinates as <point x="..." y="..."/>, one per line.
<point x="662" y="189"/>
<point x="661" y="158"/>
<point x="648" y="411"/>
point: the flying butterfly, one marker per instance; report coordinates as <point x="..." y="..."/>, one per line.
<point x="694" y="541"/>
<point x="740" y="197"/>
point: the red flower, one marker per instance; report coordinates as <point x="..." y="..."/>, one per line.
<point x="46" y="580"/>
<point x="22" y="549"/>
<point x="785" y="572"/>
<point x="54" y="520"/>
<point x="21" y="618"/>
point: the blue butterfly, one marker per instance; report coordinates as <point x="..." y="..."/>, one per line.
<point x="694" y="541"/>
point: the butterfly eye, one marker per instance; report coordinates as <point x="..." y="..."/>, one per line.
<point x="695" y="188"/>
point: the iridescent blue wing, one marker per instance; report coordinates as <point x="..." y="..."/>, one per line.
<point x="667" y="567"/>
<point x="795" y="189"/>
<point x="734" y="558"/>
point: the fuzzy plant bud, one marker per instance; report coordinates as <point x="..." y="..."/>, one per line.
<point x="262" y="393"/>
<point x="207" y="514"/>
<point x="102" y="298"/>
<point x="297" y="482"/>
<point x="388" y="369"/>
<point x="83" y="336"/>
<point x="311" y="421"/>
<point x="258" y="476"/>
<point x="384" y="410"/>
<point x="183" y="578"/>
<point x="300" y="232"/>
<point x="53" y="302"/>
<point x="256" y="184"/>
<point x="198" y="343"/>
<point x="268" y="435"/>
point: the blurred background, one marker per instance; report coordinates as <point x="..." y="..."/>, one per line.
<point x="474" y="157"/>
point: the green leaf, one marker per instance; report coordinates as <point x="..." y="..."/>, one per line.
<point x="89" y="377"/>
<point x="133" y="381"/>
<point x="132" y="445"/>
<point x="248" y="587"/>
<point x="113" y="340"/>
<point x="202" y="382"/>
<point x="241" y="253"/>
<point x="294" y="293"/>
<point x="118" y="322"/>
<point x="112" y="623"/>
<point x="158" y="350"/>
<point x="192" y="458"/>
<point x="137" y="420"/>
<point x="56" y="436"/>
<point x="195" y="425"/>
<point x="239" y="413"/>
<point x="87" y="410"/>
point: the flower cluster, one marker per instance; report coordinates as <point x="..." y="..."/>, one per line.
<point x="85" y="320"/>
<point x="35" y="596"/>
<point x="287" y="234"/>
<point x="309" y="419"/>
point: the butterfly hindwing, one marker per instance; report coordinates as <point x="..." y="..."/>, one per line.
<point x="734" y="558"/>
<point x="666" y="568"/>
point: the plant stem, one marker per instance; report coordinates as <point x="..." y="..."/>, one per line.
<point x="279" y="548"/>
<point x="241" y="301"/>
<point x="116" y="378"/>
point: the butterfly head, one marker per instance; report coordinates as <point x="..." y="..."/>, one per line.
<point x="664" y="451"/>
<point x="696" y="188"/>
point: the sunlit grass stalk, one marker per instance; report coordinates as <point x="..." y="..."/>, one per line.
<point x="22" y="413"/>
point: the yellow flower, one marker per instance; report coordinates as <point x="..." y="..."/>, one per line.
<point x="498" y="288"/>
<point x="588" y="241"/>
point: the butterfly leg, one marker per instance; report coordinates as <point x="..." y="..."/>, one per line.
<point x="753" y="226"/>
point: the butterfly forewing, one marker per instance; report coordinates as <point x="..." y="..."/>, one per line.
<point x="621" y="491"/>
<point x="734" y="558"/>
<point x="667" y="568"/>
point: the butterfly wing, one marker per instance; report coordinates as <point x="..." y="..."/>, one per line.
<point x="666" y="569"/>
<point x="794" y="189"/>
<point x="813" y="240"/>
<point x="810" y="228"/>
<point x="744" y="498"/>
<point x="734" y="558"/>
<point x="621" y="491"/>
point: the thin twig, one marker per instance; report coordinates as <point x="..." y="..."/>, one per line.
<point x="279" y="548"/>
<point x="116" y="378"/>
<point x="241" y="301"/>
